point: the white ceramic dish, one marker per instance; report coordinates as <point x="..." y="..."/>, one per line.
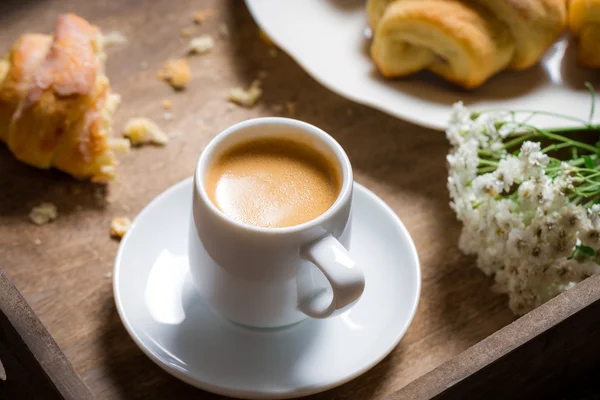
<point x="327" y="38"/>
<point x="171" y="324"/>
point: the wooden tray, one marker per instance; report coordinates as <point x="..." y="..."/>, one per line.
<point x="549" y="349"/>
<point x="463" y="339"/>
<point x="31" y="364"/>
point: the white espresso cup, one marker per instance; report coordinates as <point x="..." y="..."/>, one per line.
<point x="272" y="277"/>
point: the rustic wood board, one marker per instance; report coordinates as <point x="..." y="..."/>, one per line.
<point x="548" y="354"/>
<point x="31" y="364"/>
<point x="66" y="278"/>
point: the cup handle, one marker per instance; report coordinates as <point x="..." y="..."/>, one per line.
<point x="346" y="278"/>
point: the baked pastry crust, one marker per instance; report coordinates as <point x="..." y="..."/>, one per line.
<point x="584" y="24"/>
<point x="56" y="104"/>
<point x="465" y="42"/>
<point x="533" y="24"/>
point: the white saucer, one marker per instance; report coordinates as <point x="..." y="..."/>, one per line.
<point x="334" y="49"/>
<point x="171" y="324"/>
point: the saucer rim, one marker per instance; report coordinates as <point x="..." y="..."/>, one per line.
<point x="252" y="394"/>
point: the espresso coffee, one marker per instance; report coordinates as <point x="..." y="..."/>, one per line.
<point x="273" y="182"/>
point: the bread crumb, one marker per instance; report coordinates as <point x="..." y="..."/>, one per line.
<point x="176" y="72"/>
<point x="119" y="226"/>
<point x="201" y="44"/>
<point x="186" y="32"/>
<point x="37" y="242"/>
<point x="142" y="131"/>
<point x="223" y="31"/>
<point x="113" y="38"/>
<point x="166" y="104"/>
<point x="246" y="98"/>
<point x="265" y="38"/>
<point x="120" y="145"/>
<point x="291" y="108"/>
<point x="203" y="15"/>
<point x="43" y="213"/>
<point x="168" y="116"/>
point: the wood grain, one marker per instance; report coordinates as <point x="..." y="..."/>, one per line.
<point x="33" y="365"/>
<point x="550" y="349"/>
<point x="65" y="278"/>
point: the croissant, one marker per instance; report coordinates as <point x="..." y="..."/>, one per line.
<point x="465" y="42"/>
<point x="584" y="24"/>
<point x="56" y="104"/>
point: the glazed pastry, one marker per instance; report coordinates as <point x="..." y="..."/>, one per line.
<point x="465" y="42"/>
<point x="584" y="24"/>
<point x="56" y="104"/>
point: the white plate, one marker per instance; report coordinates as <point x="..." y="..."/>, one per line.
<point x="327" y="38"/>
<point x="171" y="324"/>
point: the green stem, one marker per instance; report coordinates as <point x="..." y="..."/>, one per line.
<point x="485" y="170"/>
<point x="565" y="117"/>
<point x="563" y="139"/>
<point x="518" y="140"/>
<point x="555" y="147"/>
<point x="488" y="162"/>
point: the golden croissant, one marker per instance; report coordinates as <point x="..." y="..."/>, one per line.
<point x="584" y="24"/>
<point x="55" y="101"/>
<point x="465" y="42"/>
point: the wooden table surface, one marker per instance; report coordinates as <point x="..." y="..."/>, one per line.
<point x="66" y="277"/>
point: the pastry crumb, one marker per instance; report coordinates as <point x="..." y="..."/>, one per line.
<point x="186" y="32"/>
<point x="176" y="72"/>
<point x="43" y="213"/>
<point x="119" y="227"/>
<point x="113" y="38"/>
<point x="37" y="242"/>
<point x="166" y="104"/>
<point x="202" y="15"/>
<point x="142" y="131"/>
<point x="201" y="44"/>
<point x="243" y="97"/>
<point x="223" y="31"/>
<point x="120" y="145"/>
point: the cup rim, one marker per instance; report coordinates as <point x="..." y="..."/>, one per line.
<point x="340" y="155"/>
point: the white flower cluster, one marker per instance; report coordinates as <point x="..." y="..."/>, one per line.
<point x="516" y="219"/>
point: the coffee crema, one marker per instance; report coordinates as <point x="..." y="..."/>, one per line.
<point x="273" y="182"/>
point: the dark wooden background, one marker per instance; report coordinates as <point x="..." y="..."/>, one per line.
<point x="66" y="278"/>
